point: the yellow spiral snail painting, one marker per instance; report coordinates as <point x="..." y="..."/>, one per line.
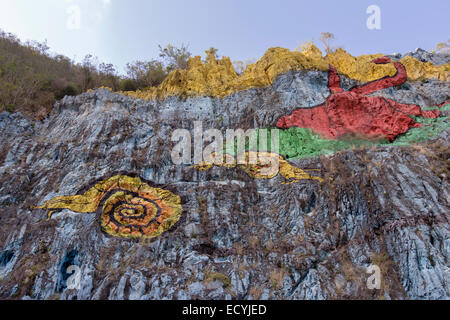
<point x="130" y="208"/>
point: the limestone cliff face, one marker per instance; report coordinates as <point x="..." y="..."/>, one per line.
<point x="237" y="237"/>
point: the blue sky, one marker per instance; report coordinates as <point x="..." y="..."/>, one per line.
<point x="119" y="31"/>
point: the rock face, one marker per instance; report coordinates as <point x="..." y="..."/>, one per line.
<point x="425" y="56"/>
<point x="354" y="112"/>
<point x="238" y="237"/>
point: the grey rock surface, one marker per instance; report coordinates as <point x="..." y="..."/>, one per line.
<point x="425" y="56"/>
<point x="436" y="58"/>
<point x="387" y="206"/>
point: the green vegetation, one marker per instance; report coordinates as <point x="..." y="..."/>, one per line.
<point x="216" y="276"/>
<point x="32" y="79"/>
<point x="144" y="74"/>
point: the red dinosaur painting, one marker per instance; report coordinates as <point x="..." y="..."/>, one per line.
<point x="354" y="112"/>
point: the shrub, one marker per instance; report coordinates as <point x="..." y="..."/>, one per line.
<point x="146" y="73"/>
<point x="128" y="85"/>
<point x="10" y="108"/>
<point x="216" y="276"/>
<point x="69" y="90"/>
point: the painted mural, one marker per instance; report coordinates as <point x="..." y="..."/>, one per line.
<point x="129" y="207"/>
<point x="355" y="112"/>
<point x="267" y="166"/>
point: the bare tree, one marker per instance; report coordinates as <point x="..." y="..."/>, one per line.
<point x="175" y="58"/>
<point x="443" y="47"/>
<point x="87" y="72"/>
<point x="239" y="66"/>
<point x="302" y="46"/>
<point x="327" y="38"/>
<point x="108" y="75"/>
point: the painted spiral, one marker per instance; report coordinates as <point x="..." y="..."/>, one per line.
<point x="130" y="208"/>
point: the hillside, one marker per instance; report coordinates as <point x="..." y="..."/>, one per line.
<point x="32" y="78"/>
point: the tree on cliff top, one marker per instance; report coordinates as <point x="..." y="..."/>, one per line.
<point x="175" y="58"/>
<point x="146" y="73"/>
<point x="327" y="38"/>
<point x="443" y="47"/>
<point x="211" y="52"/>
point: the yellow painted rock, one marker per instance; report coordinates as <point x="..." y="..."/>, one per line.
<point x="129" y="207"/>
<point x="217" y="78"/>
<point x="261" y="165"/>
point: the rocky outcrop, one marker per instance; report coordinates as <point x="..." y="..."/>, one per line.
<point x="434" y="58"/>
<point x="217" y="78"/>
<point x="238" y="237"/>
